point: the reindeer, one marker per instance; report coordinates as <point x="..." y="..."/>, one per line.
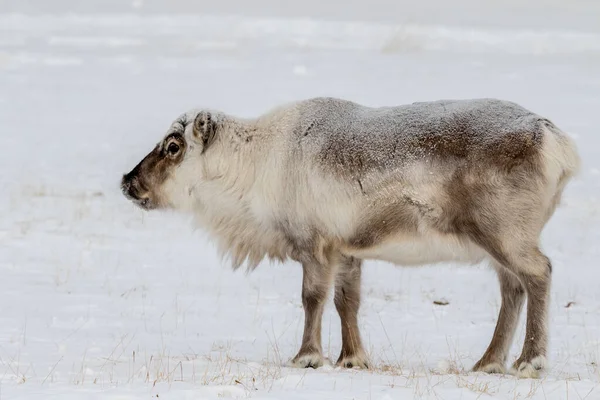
<point x="329" y="183"/>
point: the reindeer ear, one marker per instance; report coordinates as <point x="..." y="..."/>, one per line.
<point x="204" y="129"/>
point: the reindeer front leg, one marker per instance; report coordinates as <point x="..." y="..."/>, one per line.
<point x="347" y="303"/>
<point x="316" y="282"/>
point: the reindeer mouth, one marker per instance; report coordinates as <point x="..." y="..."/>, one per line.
<point x="133" y="190"/>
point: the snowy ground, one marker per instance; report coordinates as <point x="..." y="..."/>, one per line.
<point x="102" y="301"/>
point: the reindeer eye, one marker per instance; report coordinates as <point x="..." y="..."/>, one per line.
<point x="173" y="148"/>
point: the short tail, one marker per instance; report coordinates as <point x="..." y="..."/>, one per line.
<point x="561" y="159"/>
<point x="565" y="153"/>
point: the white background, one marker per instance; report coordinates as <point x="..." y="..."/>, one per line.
<point x="100" y="300"/>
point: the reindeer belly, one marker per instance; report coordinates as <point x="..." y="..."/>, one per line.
<point x="430" y="248"/>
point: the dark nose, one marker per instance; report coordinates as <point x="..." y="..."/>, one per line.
<point x="129" y="186"/>
<point x="125" y="182"/>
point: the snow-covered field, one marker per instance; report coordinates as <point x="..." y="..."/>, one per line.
<point x="100" y="300"/>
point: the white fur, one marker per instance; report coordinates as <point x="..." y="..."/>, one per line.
<point x="313" y="360"/>
<point x="530" y="370"/>
<point x="357" y="361"/>
<point x="428" y="248"/>
<point x="493" y="368"/>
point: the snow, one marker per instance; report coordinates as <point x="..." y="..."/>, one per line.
<point x="103" y="301"/>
